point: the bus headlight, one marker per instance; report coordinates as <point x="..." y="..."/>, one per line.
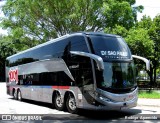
<point x="105" y="99"/>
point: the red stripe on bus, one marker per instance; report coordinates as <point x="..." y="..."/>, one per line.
<point x="61" y="87"/>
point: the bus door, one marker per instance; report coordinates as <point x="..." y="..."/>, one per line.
<point x="87" y="80"/>
<point x="81" y="69"/>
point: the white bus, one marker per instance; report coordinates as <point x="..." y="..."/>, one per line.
<point x="86" y="70"/>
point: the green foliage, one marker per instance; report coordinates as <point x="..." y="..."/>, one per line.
<point x="155" y="36"/>
<point x="43" y="20"/>
<point x="118" y="30"/>
<point x="31" y="22"/>
<point x="153" y="28"/>
<point x="7" y="48"/>
<point x="118" y="12"/>
<point x="145" y="23"/>
<point x="149" y="94"/>
<point x="139" y="42"/>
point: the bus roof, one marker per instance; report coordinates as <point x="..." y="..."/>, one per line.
<point x="100" y="34"/>
<point x="62" y="37"/>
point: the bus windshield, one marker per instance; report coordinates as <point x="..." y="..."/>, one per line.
<point x="110" y="48"/>
<point x="116" y="76"/>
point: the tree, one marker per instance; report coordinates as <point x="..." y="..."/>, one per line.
<point x="121" y="13"/>
<point x="43" y="20"/>
<point x="118" y="30"/>
<point x="140" y="44"/>
<point x="154" y="32"/>
<point x="7" y="49"/>
<point x="144" y="40"/>
<point x="31" y="22"/>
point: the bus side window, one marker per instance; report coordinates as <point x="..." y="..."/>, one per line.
<point x="48" y="78"/>
<point x="78" y="44"/>
<point x="64" y="79"/>
<point x="20" y="80"/>
<point x="54" y="78"/>
<point x="35" y="80"/>
<point x="29" y="80"/>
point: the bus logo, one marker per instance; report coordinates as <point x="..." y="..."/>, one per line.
<point x="114" y="53"/>
<point x="13" y="75"/>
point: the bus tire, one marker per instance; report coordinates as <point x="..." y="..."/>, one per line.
<point x="71" y="104"/>
<point x="58" y="102"/>
<point x="19" y="95"/>
<point x="14" y="94"/>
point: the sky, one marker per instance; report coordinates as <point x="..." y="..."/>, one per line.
<point x="3" y="32"/>
<point x="151" y="8"/>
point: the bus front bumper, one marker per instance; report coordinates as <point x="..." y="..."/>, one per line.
<point x="109" y="105"/>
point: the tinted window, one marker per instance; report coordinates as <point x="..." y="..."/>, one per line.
<point x="78" y="44"/>
<point x="116" y="77"/>
<point x="64" y="79"/>
<point x="49" y="78"/>
<point x="81" y="70"/>
<point x="55" y="49"/>
<point x="75" y="43"/>
<point x="31" y="79"/>
<point x="46" y="78"/>
<point x="110" y="47"/>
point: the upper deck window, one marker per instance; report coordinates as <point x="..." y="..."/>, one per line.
<point x="109" y="47"/>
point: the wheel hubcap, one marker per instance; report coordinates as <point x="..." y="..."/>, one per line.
<point x="19" y="96"/>
<point x="14" y="94"/>
<point x="72" y="104"/>
<point x="59" y="101"/>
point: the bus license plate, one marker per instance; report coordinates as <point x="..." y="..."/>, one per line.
<point x="124" y="107"/>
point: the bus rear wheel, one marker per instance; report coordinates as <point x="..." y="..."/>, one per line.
<point x="58" y="102"/>
<point x="14" y="94"/>
<point x="19" y="95"/>
<point x="71" y="104"/>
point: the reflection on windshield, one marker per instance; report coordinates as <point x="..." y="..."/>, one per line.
<point x="116" y="76"/>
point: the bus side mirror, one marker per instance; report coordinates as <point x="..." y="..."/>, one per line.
<point x="98" y="59"/>
<point x="143" y="59"/>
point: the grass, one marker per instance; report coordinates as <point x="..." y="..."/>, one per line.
<point x="149" y="94"/>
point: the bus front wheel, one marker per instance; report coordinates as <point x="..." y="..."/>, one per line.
<point x="71" y="104"/>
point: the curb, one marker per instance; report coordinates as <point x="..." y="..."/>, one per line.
<point x="148" y="102"/>
<point x="149" y="105"/>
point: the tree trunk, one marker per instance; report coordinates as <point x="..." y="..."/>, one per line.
<point x="154" y="73"/>
<point x="150" y="73"/>
<point x="2" y="71"/>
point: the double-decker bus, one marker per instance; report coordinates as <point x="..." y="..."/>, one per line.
<point x="86" y="70"/>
